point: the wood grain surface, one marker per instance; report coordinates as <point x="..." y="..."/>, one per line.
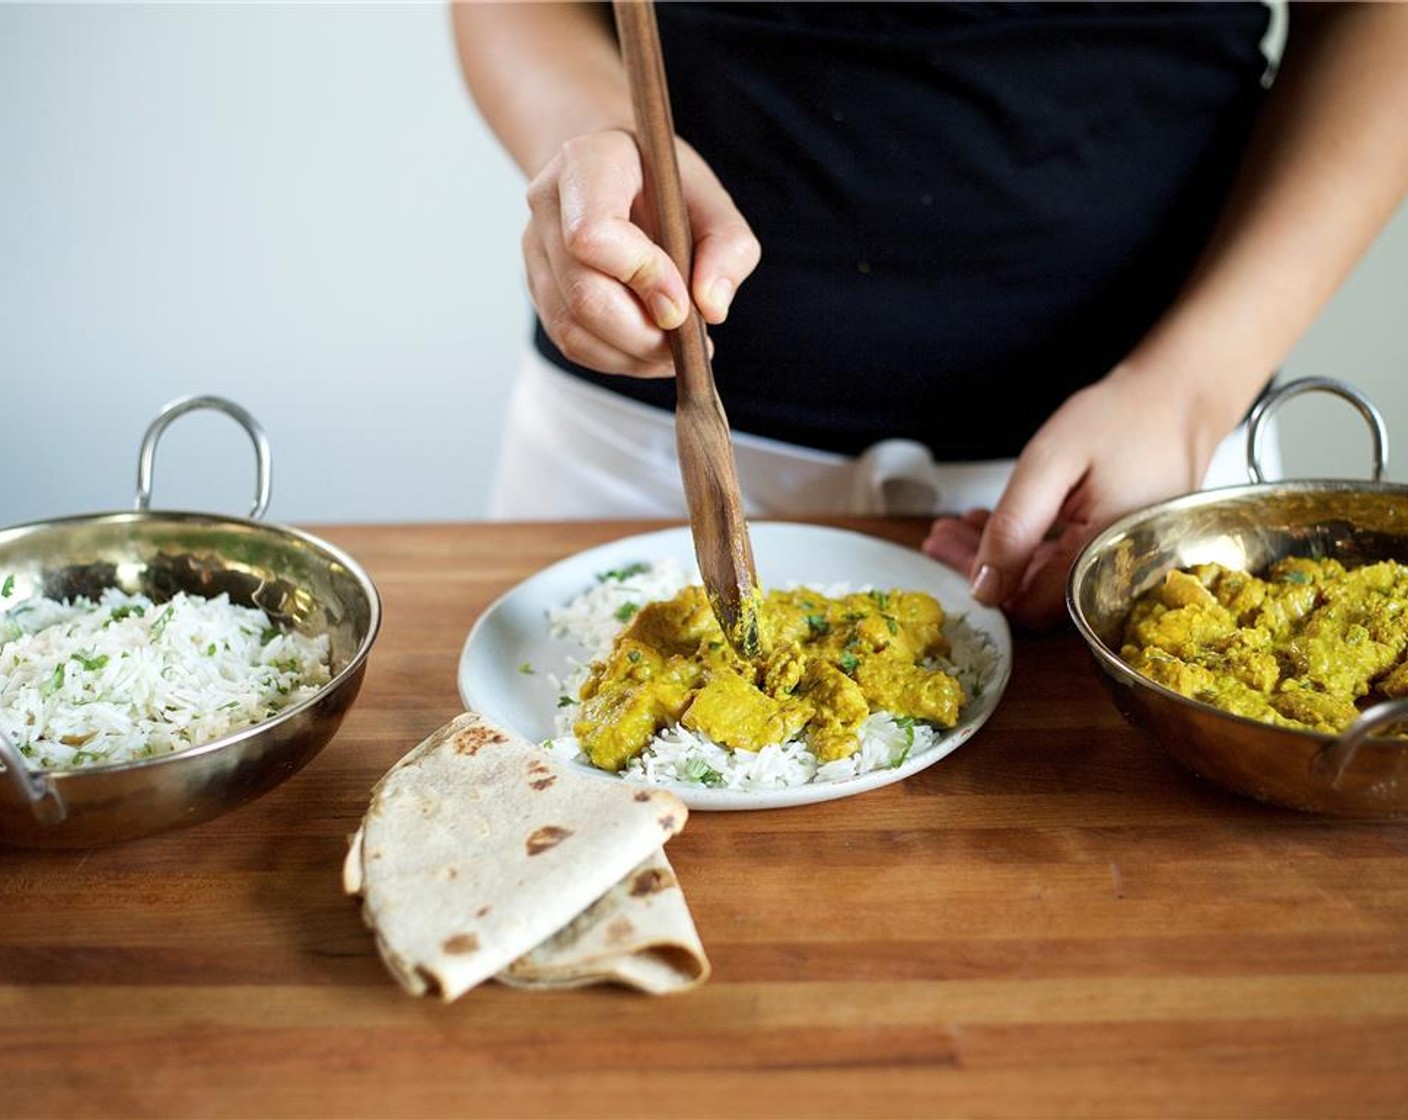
<point x="1053" y="921"/>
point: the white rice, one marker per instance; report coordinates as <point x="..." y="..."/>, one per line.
<point x="86" y="683"/>
<point x="594" y="618"/>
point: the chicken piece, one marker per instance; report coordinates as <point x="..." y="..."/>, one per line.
<point x="730" y="710"/>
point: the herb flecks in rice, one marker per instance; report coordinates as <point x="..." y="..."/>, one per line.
<point x="676" y="754"/>
<point x="86" y="683"/>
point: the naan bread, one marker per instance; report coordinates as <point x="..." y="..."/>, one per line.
<point x="478" y="848"/>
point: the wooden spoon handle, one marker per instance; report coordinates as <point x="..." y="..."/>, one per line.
<point x="701" y="428"/>
<point x="664" y="194"/>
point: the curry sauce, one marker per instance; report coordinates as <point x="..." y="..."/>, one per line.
<point x="1307" y="647"/>
<point x="825" y="665"/>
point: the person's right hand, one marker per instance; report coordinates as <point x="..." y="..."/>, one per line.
<point x="605" y="292"/>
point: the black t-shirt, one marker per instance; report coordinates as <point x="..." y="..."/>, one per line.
<point x="967" y="211"/>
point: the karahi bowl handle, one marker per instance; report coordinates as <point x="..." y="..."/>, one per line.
<point x="38" y="790"/>
<point x="264" y="469"/>
<point x="1336" y="758"/>
<point x="1256" y="424"/>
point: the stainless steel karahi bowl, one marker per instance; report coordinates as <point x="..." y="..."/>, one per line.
<point x="1357" y="774"/>
<point x="300" y="581"/>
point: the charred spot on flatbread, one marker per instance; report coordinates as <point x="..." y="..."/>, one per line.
<point x="460" y="944"/>
<point x="652" y="880"/>
<point x="643" y="795"/>
<point x="471" y="739"/>
<point x="667" y="822"/>
<point x="540" y="775"/>
<point x="549" y="836"/>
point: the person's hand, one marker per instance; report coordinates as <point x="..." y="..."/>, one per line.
<point x="1123" y="443"/>
<point x="606" y="292"/>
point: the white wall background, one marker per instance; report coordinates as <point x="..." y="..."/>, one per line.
<point x="297" y="207"/>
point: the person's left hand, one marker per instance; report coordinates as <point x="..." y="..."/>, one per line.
<point x="1125" y="442"/>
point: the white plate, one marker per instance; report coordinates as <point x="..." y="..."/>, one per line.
<point x="510" y="662"/>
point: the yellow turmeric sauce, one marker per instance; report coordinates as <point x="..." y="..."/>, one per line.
<point x="825" y="665"/>
<point x="1307" y="647"/>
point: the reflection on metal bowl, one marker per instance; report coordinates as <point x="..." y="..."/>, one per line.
<point x="301" y="582"/>
<point x="1250" y="527"/>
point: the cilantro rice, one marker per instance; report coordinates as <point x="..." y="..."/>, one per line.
<point x="676" y="754"/>
<point x="86" y="683"/>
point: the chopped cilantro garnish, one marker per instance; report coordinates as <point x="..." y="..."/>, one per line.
<point x="127" y="610"/>
<point x="697" y="770"/>
<point x="8" y="588"/>
<point x="565" y="701"/>
<point x="620" y="574"/>
<point x="848" y="661"/>
<point x="1298" y="577"/>
<point x="906" y="724"/>
<point x="210" y="650"/>
<point x="268" y="634"/>
<point x="54" y="683"/>
<point x="881" y="598"/>
<point x="159" y="626"/>
<point x="633" y="656"/>
<point x="625" y="611"/>
<point x="818" y="625"/>
<point x="88" y="661"/>
<point x="526" y="668"/>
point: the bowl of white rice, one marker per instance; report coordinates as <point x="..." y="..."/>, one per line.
<point x="158" y="669"/>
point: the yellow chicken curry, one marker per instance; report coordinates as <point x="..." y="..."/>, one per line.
<point x="826" y="664"/>
<point x="1306" y="647"/>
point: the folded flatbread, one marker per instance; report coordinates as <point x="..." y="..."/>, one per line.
<point x="639" y="933"/>
<point x="480" y="855"/>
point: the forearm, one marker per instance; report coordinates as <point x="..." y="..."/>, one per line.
<point x="1325" y="170"/>
<point x="541" y="73"/>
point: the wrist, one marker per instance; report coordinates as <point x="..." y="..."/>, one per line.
<point x="1203" y="400"/>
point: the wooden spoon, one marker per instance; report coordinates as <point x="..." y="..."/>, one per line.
<point x="701" y="429"/>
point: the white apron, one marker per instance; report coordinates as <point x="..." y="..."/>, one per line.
<point x="571" y="450"/>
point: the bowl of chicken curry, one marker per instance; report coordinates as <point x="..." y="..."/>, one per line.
<point x="1259" y="633"/>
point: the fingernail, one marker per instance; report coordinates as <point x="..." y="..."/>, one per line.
<point x="666" y="312"/>
<point x="987" y="584"/>
<point x="721" y="295"/>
